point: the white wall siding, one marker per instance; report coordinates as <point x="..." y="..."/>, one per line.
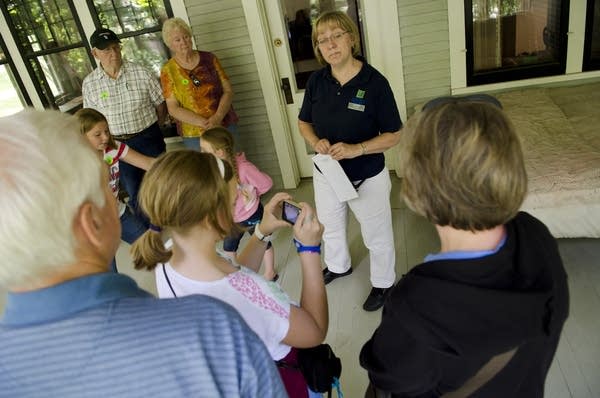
<point x="219" y="26"/>
<point x="425" y="49"/>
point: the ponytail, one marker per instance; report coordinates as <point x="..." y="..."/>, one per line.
<point x="149" y="250"/>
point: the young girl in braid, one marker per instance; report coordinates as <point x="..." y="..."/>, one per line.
<point x="251" y="184"/>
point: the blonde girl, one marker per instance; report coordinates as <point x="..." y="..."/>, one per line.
<point x="94" y="126"/>
<point x="251" y="183"/>
<point x="188" y="262"/>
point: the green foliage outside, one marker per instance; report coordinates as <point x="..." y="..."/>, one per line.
<point x="485" y="9"/>
<point x="50" y="25"/>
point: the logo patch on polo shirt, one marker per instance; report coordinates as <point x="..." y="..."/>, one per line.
<point x="358" y="102"/>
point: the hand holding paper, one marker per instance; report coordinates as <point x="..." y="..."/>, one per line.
<point x="336" y="177"/>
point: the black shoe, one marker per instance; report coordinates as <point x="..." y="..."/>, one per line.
<point x="328" y="276"/>
<point x="376" y="298"/>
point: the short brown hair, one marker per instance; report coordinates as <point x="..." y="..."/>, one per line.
<point x="181" y="189"/>
<point x="463" y="166"/>
<point x="335" y="19"/>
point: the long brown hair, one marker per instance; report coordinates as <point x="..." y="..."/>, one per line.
<point x="221" y="138"/>
<point x="88" y="118"/>
<point x="181" y="189"/>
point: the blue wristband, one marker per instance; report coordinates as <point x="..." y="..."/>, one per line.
<point x="311" y="249"/>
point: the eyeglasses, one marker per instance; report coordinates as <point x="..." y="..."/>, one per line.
<point x="334" y="38"/>
<point x="197" y="82"/>
<point x="468" y="98"/>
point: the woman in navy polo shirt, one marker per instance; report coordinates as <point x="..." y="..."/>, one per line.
<point x="349" y="112"/>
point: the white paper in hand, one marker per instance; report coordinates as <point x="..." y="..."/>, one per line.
<point x="333" y="172"/>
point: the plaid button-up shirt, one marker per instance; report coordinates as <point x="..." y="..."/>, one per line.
<point x="128" y="102"/>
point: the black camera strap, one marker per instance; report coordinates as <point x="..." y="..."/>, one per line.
<point x="168" y="281"/>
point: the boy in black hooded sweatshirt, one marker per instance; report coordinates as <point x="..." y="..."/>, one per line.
<point x="483" y="317"/>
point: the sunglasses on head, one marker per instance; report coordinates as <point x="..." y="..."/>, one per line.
<point x="468" y="98"/>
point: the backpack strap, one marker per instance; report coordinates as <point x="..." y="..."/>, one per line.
<point x="483" y="375"/>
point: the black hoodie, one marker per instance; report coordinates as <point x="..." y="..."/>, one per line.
<point x="445" y="319"/>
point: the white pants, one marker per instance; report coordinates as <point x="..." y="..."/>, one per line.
<point x="373" y="211"/>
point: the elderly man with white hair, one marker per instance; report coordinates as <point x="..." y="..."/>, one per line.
<point x="73" y="329"/>
<point x="130" y="97"/>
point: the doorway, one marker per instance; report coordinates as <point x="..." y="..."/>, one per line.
<point x="281" y="72"/>
<point x="290" y="27"/>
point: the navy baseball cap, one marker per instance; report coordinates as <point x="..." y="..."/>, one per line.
<point x="102" y="38"/>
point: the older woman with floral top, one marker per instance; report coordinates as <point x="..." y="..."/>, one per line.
<point x="196" y="89"/>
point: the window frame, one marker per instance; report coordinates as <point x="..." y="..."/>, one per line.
<point x="85" y="21"/>
<point x="129" y="34"/>
<point x="589" y="64"/>
<point x="21" y="90"/>
<point x="520" y="72"/>
<point x="40" y="83"/>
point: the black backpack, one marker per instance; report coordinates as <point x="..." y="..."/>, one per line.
<point x="321" y="368"/>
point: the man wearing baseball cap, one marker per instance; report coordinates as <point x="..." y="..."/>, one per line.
<point x="130" y="97"/>
<point x="102" y="38"/>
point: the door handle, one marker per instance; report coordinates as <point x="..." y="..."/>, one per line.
<point x="287" y="90"/>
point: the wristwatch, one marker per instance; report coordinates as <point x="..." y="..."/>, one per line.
<point x="262" y="237"/>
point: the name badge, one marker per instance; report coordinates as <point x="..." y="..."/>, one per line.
<point x="356" y="107"/>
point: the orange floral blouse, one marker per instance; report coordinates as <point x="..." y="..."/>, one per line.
<point x="198" y="90"/>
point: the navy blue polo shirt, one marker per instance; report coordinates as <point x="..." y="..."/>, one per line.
<point x="359" y="110"/>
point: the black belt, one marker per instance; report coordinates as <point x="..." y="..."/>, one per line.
<point x="125" y="137"/>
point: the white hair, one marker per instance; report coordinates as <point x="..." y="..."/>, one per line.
<point x="47" y="171"/>
<point x="171" y="25"/>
